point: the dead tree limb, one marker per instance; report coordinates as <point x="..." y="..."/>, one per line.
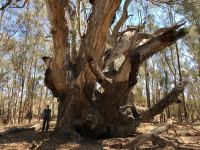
<point x="164" y="103"/>
<point x="141" y="139"/>
<point x="35" y="127"/>
<point x="153" y="136"/>
<point x="16" y="130"/>
<point x="177" y="146"/>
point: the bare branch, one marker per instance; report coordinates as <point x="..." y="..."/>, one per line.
<point x="6" y="5"/>
<point x="14" y="5"/>
<point x="122" y="19"/>
<point x="17" y="6"/>
<point x="143" y="52"/>
<point x="122" y="47"/>
<point x="176" y="26"/>
<point x="129" y="39"/>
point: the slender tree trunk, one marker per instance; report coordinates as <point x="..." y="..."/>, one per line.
<point x="21" y="99"/>
<point x="1" y="111"/>
<point x="180" y="79"/>
<point x="166" y="91"/>
<point x="9" y="103"/>
<point x="39" y="105"/>
<point x="147" y="84"/>
<point x="15" y="105"/>
<point x="33" y="85"/>
<point x="171" y="17"/>
<point x="11" y="99"/>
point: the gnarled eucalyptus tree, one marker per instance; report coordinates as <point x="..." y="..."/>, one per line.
<point x="83" y="108"/>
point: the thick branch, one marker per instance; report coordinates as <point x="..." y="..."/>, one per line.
<point x="160" y="42"/>
<point x="123" y="45"/>
<point x="175" y="26"/>
<point x="60" y="70"/>
<point x="164" y="103"/>
<point x="59" y="30"/>
<point x="101" y="78"/>
<point x="98" y="27"/>
<point x="155" y="45"/>
<point x="94" y="42"/>
<point x="130" y="38"/>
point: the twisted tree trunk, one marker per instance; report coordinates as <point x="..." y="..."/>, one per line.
<point x="83" y="109"/>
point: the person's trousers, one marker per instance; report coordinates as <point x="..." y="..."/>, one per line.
<point x="45" y="125"/>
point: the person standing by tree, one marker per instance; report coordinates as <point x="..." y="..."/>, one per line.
<point x="29" y="116"/>
<point x="46" y="115"/>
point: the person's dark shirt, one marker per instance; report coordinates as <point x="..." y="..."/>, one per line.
<point x="46" y="114"/>
<point x="29" y="115"/>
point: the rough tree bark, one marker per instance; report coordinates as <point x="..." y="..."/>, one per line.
<point x="83" y="110"/>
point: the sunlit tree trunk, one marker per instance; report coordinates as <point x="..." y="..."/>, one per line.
<point x="83" y="110"/>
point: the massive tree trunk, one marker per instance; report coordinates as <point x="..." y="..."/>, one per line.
<point x="83" y="109"/>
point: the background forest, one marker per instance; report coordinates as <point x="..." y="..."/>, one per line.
<point x="25" y="37"/>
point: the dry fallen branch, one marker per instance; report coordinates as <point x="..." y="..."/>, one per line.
<point x="177" y="134"/>
<point x="16" y="130"/>
<point x="35" y="127"/>
<point x="141" y="139"/>
<point x="177" y="146"/>
<point x="156" y="139"/>
<point x="188" y="125"/>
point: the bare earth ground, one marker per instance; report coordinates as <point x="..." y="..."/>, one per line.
<point x="188" y="134"/>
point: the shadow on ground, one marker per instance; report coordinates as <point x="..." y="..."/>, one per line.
<point x="44" y="141"/>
